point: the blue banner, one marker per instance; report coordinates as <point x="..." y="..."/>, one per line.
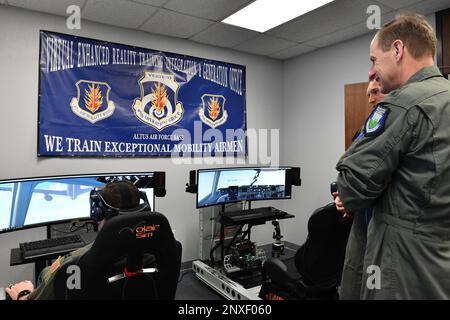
<point x="98" y="98"/>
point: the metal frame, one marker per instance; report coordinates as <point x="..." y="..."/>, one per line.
<point x="226" y="287"/>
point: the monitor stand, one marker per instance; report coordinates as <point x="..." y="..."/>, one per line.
<point x="232" y="284"/>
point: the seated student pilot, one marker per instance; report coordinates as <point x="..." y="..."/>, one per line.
<point x="45" y="289"/>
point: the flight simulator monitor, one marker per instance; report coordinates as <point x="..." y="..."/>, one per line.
<point x="226" y="185"/>
<point x="42" y="201"/>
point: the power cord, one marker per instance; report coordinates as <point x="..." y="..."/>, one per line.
<point x="88" y="225"/>
<point x="214" y="236"/>
<point x="74" y="227"/>
<point x="60" y="231"/>
<point x="183" y="274"/>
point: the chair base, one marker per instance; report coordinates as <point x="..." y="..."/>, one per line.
<point x="225" y="286"/>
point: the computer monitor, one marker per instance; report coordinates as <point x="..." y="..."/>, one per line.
<point x="227" y="185"/>
<point x="33" y="202"/>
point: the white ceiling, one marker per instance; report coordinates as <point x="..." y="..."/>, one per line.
<point x="199" y="21"/>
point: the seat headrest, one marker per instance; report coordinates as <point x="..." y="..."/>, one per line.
<point x="320" y="259"/>
<point x="145" y="231"/>
<point x="323" y="220"/>
<point x="128" y="243"/>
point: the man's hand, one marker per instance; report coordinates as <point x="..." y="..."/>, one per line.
<point x="14" y="289"/>
<point x="340" y="205"/>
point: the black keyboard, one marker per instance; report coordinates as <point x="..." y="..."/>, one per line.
<point x="51" y="246"/>
<point x="266" y="213"/>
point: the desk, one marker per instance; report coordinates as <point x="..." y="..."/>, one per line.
<point x="228" y="219"/>
<point x="41" y="262"/>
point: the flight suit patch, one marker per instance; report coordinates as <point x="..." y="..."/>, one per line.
<point x="55" y="265"/>
<point x="360" y="135"/>
<point x="375" y="122"/>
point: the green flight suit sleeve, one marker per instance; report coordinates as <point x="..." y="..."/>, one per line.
<point x="367" y="166"/>
<point x="45" y="288"/>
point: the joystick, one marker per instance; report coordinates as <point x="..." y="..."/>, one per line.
<point x="277" y="245"/>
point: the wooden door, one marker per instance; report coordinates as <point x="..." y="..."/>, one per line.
<point x="443" y="36"/>
<point x="357" y="109"/>
<point x="446" y="44"/>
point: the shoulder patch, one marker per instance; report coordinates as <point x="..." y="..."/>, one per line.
<point x="375" y="122"/>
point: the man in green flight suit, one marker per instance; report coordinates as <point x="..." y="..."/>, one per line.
<point x="401" y="167"/>
<point x="112" y="195"/>
<point x="356" y="245"/>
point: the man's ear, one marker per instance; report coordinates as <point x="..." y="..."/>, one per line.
<point x="398" y="49"/>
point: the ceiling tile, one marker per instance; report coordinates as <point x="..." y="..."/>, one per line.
<point x="175" y="24"/>
<point x="224" y="35"/>
<point x="397" y="4"/>
<point x="325" y="20"/>
<point x="117" y="12"/>
<point x="215" y="10"/>
<point x="155" y="3"/>
<point x="339" y="36"/>
<point x="197" y="20"/>
<point x="428" y="7"/>
<point x="48" y="6"/>
<point x="264" y="45"/>
<point x="292" y="52"/>
<point x="423" y="7"/>
<point x="385" y="18"/>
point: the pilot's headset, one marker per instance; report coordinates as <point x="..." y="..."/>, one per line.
<point x="116" y="197"/>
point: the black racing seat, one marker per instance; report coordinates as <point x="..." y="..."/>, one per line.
<point x="318" y="263"/>
<point x="124" y="246"/>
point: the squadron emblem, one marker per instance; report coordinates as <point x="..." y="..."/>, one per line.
<point x="158" y="106"/>
<point x="213" y="111"/>
<point x="92" y="102"/>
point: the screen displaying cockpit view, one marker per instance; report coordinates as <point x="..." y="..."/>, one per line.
<point x="41" y="201"/>
<point x="240" y="184"/>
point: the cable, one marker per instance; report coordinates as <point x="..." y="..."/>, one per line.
<point x="60" y="231"/>
<point x="183" y="274"/>
<point x="214" y="236"/>
<point x="74" y="228"/>
<point x="88" y="225"/>
<point x="255" y="178"/>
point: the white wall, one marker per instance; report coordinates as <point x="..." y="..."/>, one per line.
<point x="19" y="57"/>
<point x="314" y="120"/>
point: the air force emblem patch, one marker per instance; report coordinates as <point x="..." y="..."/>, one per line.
<point x="92" y="102"/>
<point x="158" y="106"/>
<point x="213" y="111"/>
<point x="375" y="122"/>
